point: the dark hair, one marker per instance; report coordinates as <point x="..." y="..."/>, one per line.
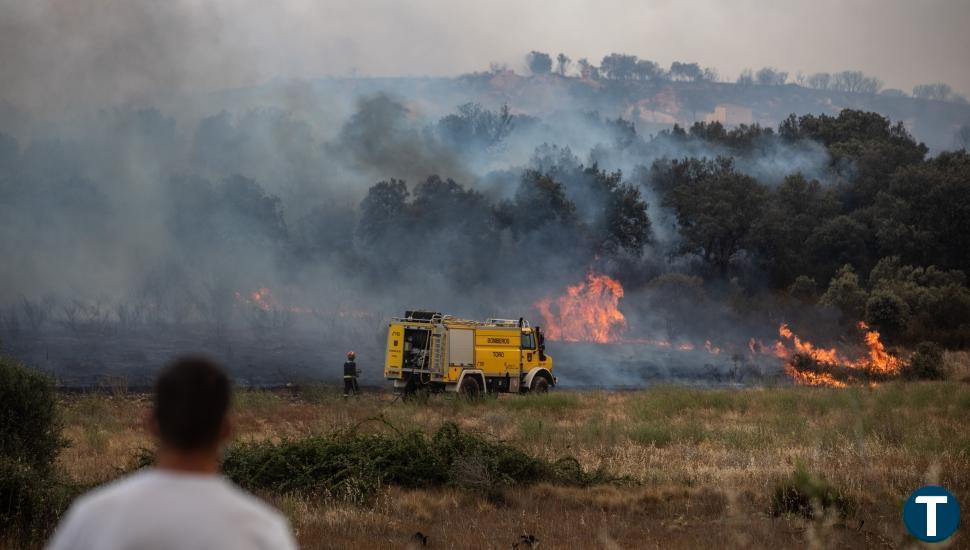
<point x="192" y="396"/>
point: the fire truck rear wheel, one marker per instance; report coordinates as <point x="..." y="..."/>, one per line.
<point x="539" y="385"/>
<point x="409" y="389"/>
<point x="470" y="388"/>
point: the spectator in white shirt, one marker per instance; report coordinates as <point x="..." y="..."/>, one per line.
<point x="182" y="502"/>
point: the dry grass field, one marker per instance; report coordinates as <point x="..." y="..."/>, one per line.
<point x="701" y="465"/>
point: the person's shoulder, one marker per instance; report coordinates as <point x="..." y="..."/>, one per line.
<point x="261" y="517"/>
<point x="104" y="499"/>
<point x="114" y="491"/>
<point x="251" y="504"/>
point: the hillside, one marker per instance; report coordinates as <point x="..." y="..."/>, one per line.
<point x="652" y="106"/>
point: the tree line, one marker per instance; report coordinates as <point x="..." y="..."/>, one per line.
<point x="878" y="233"/>
<point x="621" y="66"/>
<point x="885" y="240"/>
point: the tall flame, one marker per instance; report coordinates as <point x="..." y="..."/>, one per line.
<point x="879" y="359"/>
<point x="828" y="356"/>
<point x="587" y="312"/>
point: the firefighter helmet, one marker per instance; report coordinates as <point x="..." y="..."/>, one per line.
<point x="351" y="355"/>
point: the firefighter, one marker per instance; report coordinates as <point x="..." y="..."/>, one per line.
<point x="350" y="375"/>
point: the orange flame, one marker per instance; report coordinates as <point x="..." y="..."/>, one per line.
<point x="828" y="356"/>
<point x="262" y="298"/>
<point x="808" y="378"/>
<point x="877" y="361"/>
<point x="587" y="312"/>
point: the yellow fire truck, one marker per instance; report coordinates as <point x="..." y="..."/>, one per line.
<point x="430" y="351"/>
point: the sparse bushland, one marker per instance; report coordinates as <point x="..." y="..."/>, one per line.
<point x="694" y="461"/>
<point x="770" y="466"/>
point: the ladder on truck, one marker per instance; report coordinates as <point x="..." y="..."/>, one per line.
<point x="438" y="348"/>
<point x="510" y="323"/>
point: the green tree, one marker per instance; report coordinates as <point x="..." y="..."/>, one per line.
<point x="846" y="294"/>
<point x="887" y="312"/>
<point x="444" y="203"/>
<point x="383" y="211"/>
<point x="819" y="81"/>
<point x="686" y="71"/>
<point x="715" y="206"/>
<point x="935" y="92"/>
<point x="474" y="128"/>
<point x="627" y="223"/>
<point x="539" y="201"/>
<point x="926" y="363"/>
<point x="746" y="78"/>
<point x="539" y="63"/>
<point x="837" y="241"/>
<point x="588" y="70"/>
<point x="792" y="214"/>
<point x="938" y="300"/>
<point x="866" y="146"/>
<point x="925" y="212"/>
<point x="855" y="82"/>
<point x="647" y="70"/>
<point x="30" y="430"/>
<point x="617" y="66"/>
<point x="804" y="289"/>
<point x="769" y="76"/>
<point x="562" y="64"/>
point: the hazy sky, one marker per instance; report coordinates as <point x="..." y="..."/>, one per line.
<point x="56" y="53"/>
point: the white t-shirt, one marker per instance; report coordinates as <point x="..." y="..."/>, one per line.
<point x="162" y="509"/>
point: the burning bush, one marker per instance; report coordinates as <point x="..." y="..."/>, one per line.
<point x="809" y="496"/>
<point x="810" y="365"/>
<point x="811" y="371"/>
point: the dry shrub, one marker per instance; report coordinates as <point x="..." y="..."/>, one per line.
<point x="957" y="364"/>
<point x="351" y="465"/>
<point x="925" y="364"/>
<point x="809" y="496"/>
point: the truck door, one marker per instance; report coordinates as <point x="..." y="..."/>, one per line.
<point x="528" y="352"/>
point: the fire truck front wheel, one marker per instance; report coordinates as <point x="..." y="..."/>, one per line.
<point x="539" y="385"/>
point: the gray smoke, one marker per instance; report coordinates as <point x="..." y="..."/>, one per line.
<point x="156" y="178"/>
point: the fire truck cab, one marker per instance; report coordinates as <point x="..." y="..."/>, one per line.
<point x="430" y="351"/>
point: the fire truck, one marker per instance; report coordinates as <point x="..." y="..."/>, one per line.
<point x="434" y="352"/>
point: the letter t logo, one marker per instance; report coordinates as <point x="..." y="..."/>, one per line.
<point x="931" y="502"/>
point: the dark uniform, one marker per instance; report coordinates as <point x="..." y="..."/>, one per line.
<point x="350" y="378"/>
